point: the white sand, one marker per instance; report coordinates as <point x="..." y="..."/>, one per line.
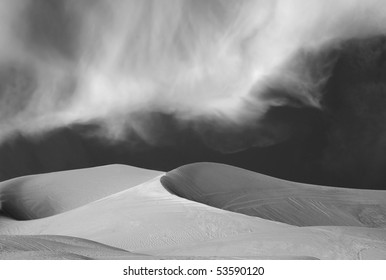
<point x="254" y="194"/>
<point x="38" y="196"/>
<point x="148" y="219"/>
<point x="58" y="247"/>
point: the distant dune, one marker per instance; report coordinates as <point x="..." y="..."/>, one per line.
<point x="39" y="196"/>
<point x="254" y="194"/>
<point x="219" y="212"/>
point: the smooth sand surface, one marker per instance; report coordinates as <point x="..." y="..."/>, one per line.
<point x="150" y="219"/>
<point x="254" y="194"/>
<point x="38" y="196"/>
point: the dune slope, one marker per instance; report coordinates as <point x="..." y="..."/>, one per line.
<point x="38" y="196"/>
<point x="58" y="247"/>
<point x="254" y="194"/>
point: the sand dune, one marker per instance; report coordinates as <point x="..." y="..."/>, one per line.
<point x="254" y="194"/>
<point x="50" y="247"/>
<point x="38" y="196"/>
<point x="149" y="219"/>
<point x="58" y="247"/>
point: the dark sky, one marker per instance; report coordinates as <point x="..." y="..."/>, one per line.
<point x="342" y="144"/>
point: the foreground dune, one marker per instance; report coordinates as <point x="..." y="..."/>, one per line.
<point x="254" y="194"/>
<point x="49" y="247"/>
<point x="150" y="219"/>
<point x="58" y="247"/>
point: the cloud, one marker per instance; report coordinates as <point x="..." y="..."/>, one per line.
<point x="109" y="62"/>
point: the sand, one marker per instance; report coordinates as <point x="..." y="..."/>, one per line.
<point x="38" y="196"/>
<point x="254" y="194"/>
<point x="42" y="247"/>
<point x="142" y="218"/>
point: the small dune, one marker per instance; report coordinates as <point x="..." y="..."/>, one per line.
<point x="238" y="190"/>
